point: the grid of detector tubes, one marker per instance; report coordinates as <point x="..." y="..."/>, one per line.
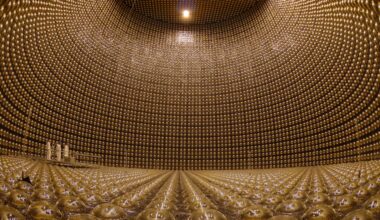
<point x="291" y="84"/>
<point x="200" y="12"/>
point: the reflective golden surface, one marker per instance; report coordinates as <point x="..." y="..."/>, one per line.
<point x="240" y="84"/>
<point x="43" y="210"/>
<point x="256" y="212"/>
<point x="320" y="212"/>
<point x="9" y="213"/>
<point x="360" y="214"/>
<point x="203" y="214"/>
<point x="244" y="110"/>
<point x="109" y="211"/>
<point x="348" y="191"/>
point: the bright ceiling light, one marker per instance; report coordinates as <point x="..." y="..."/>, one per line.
<point x="186" y="13"/>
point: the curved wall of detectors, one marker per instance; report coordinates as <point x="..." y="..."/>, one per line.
<point x="288" y="83"/>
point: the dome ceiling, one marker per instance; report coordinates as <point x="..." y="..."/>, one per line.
<point x="200" y="11"/>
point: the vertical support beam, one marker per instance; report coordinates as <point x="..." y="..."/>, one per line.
<point x="66" y="151"/>
<point x="48" y="150"/>
<point x="59" y="152"/>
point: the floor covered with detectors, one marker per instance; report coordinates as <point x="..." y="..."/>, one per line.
<point x="35" y="189"/>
